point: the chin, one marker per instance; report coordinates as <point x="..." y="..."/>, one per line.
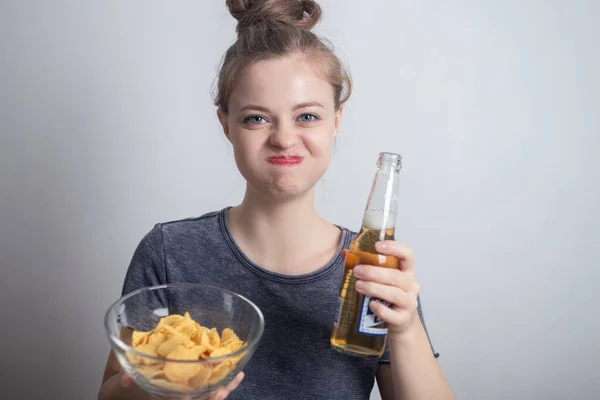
<point x="286" y="189"/>
<point x="283" y="188"/>
<point x="281" y="185"/>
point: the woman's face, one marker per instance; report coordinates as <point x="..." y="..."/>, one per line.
<point x="282" y="122"/>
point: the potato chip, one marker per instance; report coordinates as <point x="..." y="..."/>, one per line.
<point x="221" y="351"/>
<point x="187" y="326"/>
<point x="183" y="353"/>
<point x="138" y="338"/>
<point x="169" y="320"/>
<point x="213" y="336"/>
<point x="201" y="378"/>
<point x="149" y="349"/>
<point x="178" y="387"/>
<point x="235" y="346"/>
<point x="219" y="373"/>
<point x="170" y="345"/>
<point x="180" y="373"/>
<point x="179" y="337"/>
<point x="157" y="338"/>
<point x="204" y="339"/>
<point x="171" y="331"/>
<point x="151" y="371"/>
<point x="229" y="334"/>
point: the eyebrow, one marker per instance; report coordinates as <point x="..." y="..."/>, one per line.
<point x="296" y="107"/>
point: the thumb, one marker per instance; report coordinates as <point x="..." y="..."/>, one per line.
<point x="343" y="253"/>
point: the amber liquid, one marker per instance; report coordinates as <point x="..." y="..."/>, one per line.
<point x="346" y="337"/>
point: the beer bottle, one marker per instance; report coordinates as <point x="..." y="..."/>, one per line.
<point x="357" y="331"/>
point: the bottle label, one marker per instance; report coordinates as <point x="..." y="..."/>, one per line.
<point x="339" y="312"/>
<point x="368" y="322"/>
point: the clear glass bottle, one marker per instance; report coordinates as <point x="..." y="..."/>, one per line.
<point x="357" y="331"/>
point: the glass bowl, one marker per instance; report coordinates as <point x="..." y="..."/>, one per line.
<point x="183" y="340"/>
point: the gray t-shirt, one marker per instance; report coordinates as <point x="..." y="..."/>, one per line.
<point x="294" y="359"/>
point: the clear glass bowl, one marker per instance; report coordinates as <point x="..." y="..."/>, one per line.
<point x="178" y="358"/>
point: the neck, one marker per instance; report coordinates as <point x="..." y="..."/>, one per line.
<point x="277" y="233"/>
<point x="276" y="220"/>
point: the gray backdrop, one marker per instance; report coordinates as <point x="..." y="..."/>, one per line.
<point x="105" y="114"/>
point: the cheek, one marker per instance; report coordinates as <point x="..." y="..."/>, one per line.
<point x="244" y="150"/>
<point x="319" y="144"/>
<point x="245" y="143"/>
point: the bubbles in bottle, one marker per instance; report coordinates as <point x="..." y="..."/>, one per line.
<point x="378" y="220"/>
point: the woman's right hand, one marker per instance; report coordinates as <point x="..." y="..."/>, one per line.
<point x="129" y="384"/>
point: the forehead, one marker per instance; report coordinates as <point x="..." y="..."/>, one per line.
<point x="281" y="83"/>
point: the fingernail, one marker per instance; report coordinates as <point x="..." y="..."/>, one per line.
<point x="381" y="245"/>
<point x="358" y="270"/>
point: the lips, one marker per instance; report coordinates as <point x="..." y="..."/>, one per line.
<point x="285" y="160"/>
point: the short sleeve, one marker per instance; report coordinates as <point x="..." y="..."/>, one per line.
<point x="385" y="357"/>
<point x="147" y="268"/>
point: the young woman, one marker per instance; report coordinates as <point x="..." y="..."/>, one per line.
<point x="280" y="98"/>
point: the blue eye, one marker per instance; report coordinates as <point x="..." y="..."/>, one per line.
<point x="308" y="118"/>
<point x="254" y="120"/>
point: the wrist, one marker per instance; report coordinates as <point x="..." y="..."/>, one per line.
<point x="408" y="335"/>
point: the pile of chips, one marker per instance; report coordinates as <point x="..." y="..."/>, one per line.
<point x="177" y="337"/>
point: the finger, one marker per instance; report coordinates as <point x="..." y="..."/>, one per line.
<point x="388" y="314"/>
<point x="224" y="392"/>
<point x="134" y="390"/>
<point x="220" y="395"/>
<point x="127" y="381"/>
<point x="398" y="298"/>
<point x="235" y="383"/>
<point x="386" y="276"/>
<point x="396" y="249"/>
<point x="343" y="253"/>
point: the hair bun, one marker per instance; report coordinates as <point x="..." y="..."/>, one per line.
<point x="301" y="13"/>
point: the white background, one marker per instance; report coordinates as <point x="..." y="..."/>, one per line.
<point x="107" y="127"/>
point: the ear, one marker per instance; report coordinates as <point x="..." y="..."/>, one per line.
<point x="223" y="120"/>
<point x="338" y="120"/>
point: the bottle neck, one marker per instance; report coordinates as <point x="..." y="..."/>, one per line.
<point x="381" y="209"/>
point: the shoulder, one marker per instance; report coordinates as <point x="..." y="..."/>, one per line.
<point x="172" y="242"/>
<point x="209" y="222"/>
<point x="347" y="233"/>
<point x="183" y="233"/>
<point x="207" y="219"/>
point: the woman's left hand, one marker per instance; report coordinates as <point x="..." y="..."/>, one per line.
<point x="397" y="287"/>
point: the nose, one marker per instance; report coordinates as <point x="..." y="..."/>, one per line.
<point x="283" y="137"/>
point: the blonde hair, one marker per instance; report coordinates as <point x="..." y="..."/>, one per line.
<point x="270" y="29"/>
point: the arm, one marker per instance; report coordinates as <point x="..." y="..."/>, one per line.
<point x="145" y="269"/>
<point x="114" y="387"/>
<point x="413" y="372"/>
<point x="112" y="384"/>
